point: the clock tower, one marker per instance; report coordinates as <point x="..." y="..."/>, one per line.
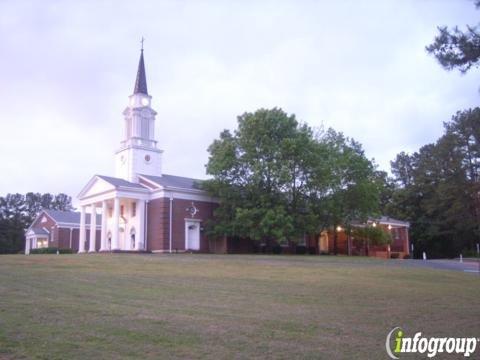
<point x="138" y="153"/>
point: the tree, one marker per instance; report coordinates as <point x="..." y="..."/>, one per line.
<point x="457" y="49"/>
<point x="354" y="190"/>
<point x="258" y="175"/>
<point x="440" y="195"/>
<point x="277" y="181"/>
<point x="371" y="235"/>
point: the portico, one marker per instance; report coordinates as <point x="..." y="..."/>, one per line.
<point x="122" y="205"/>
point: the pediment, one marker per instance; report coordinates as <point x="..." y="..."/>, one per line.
<point x="95" y="186"/>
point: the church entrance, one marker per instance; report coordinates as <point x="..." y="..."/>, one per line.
<point x="323" y="242"/>
<point x="192" y="235"/>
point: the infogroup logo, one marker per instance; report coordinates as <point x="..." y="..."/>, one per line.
<point x="397" y="343"/>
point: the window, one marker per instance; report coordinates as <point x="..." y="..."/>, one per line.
<point x="134" y="209"/>
<point x="121" y="210"/>
<point x="42" y="243"/>
<point x="44" y="219"/>
<point x="302" y="241"/>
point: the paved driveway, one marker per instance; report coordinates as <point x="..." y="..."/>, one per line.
<point x="471" y="266"/>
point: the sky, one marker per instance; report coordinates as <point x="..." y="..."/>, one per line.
<point x="68" y="67"/>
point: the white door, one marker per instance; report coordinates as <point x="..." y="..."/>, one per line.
<point x="192" y="234"/>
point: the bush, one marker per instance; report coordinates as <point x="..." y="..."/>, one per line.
<point x="277" y="249"/>
<point x="300" y="249"/>
<point x="312" y="250"/>
<point x="394" y="255"/>
<point x="51" y="250"/>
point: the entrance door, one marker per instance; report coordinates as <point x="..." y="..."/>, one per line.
<point x="192" y="235"/>
<point x="323" y="242"/>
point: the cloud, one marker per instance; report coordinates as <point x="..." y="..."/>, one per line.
<point x="67" y="69"/>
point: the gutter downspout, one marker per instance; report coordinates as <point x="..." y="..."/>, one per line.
<point x="170" y="225"/>
<point x="145" y="224"/>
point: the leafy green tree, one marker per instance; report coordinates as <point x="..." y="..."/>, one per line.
<point x="354" y="192"/>
<point x="371" y="235"/>
<point x="456" y="49"/>
<point x="276" y="180"/>
<point x="439" y="191"/>
<point x="258" y="176"/>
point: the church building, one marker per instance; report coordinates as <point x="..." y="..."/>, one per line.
<point x="140" y="208"/>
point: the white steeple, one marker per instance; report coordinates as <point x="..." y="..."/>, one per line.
<point x="138" y="153"/>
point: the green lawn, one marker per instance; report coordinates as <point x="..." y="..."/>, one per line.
<point x="223" y="307"/>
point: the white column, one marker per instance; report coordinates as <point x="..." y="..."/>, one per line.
<point x="93" y="228"/>
<point x="116" y="215"/>
<point x="28" y="241"/>
<point x="140" y="237"/>
<point x="103" y="240"/>
<point x="82" y="235"/>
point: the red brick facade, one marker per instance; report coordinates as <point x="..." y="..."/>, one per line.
<point x="61" y="236"/>
<point x="158" y="228"/>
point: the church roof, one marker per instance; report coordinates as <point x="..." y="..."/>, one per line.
<point x="70" y="217"/>
<point x="38" y="231"/>
<point x="391" y="221"/>
<point x="141" y="81"/>
<point x="117" y="182"/>
<point x="175" y="181"/>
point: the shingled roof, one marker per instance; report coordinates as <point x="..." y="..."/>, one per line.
<point x="174" y="181"/>
<point x="70" y="217"/>
<point x="117" y="182"/>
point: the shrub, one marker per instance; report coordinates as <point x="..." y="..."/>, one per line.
<point x="300" y="249"/>
<point x="394" y="255"/>
<point x="312" y="250"/>
<point x="277" y="249"/>
<point x="51" y="250"/>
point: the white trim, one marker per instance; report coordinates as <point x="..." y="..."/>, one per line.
<point x="117" y="189"/>
<point x="195" y="220"/>
<point x="182" y="195"/>
<point x="156" y="185"/>
<point x="170" y="236"/>
<point x="73" y="225"/>
<point x="143" y="195"/>
<point x="43" y="211"/>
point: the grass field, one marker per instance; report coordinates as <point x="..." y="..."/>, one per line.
<point x="223" y="307"/>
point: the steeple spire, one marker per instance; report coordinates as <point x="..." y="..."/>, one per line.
<point x="141" y="81"/>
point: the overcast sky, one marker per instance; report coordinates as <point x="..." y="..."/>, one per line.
<point x="67" y="68"/>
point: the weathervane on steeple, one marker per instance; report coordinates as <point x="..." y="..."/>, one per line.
<point x="142" y="42"/>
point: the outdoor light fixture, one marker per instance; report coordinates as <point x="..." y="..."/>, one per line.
<point x="389" y="227"/>
<point x="339" y="228"/>
<point x="374" y="224"/>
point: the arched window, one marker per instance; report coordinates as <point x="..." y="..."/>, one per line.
<point x="132" y="238"/>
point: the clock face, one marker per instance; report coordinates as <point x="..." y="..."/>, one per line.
<point x="145" y="102"/>
<point x="147" y="158"/>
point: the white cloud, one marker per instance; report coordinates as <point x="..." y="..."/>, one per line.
<point x="360" y="67"/>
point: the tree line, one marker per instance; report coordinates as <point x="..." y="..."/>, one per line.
<point x="437" y="189"/>
<point x="17" y="212"/>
